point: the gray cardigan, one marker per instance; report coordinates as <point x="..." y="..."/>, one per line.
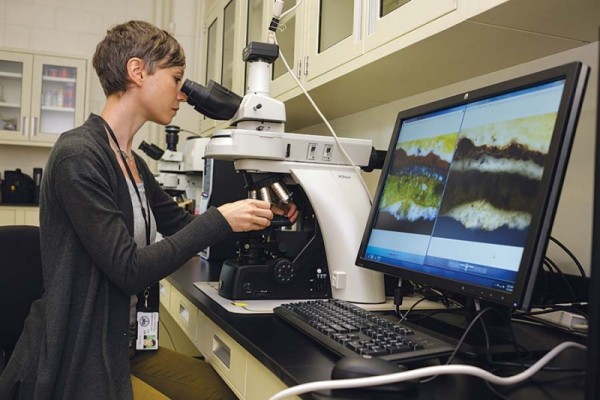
<point x="75" y="341"/>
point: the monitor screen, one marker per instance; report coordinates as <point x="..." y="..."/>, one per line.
<point x="470" y="184"/>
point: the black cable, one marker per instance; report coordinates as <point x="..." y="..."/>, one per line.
<point x="513" y="340"/>
<point x="547" y="287"/>
<point x="494" y="390"/>
<point x="570" y="254"/>
<point x="509" y="364"/>
<point x="432" y="313"/>
<point x="460" y="342"/>
<point x="575" y="261"/>
<point x="398" y="298"/>
<point x="553" y="265"/>
<point x="403" y="317"/>
<point x="428" y="293"/>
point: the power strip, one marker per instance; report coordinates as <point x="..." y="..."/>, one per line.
<point x="565" y="319"/>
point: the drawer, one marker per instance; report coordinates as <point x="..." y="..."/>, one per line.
<point x="31" y="217"/>
<point x="8" y="217"/>
<point x="165" y="288"/>
<point x="19" y="215"/>
<point x="262" y="383"/>
<point x="184" y="313"/>
<point x="226" y="356"/>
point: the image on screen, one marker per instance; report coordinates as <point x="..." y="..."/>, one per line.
<point x="461" y="187"/>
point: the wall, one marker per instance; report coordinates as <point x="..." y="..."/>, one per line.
<point x="573" y="223"/>
<point x="74" y="27"/>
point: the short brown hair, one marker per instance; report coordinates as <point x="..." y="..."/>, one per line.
<point x="154" y="46"/>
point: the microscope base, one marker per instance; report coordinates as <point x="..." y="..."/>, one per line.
<point x="262" y="281"/>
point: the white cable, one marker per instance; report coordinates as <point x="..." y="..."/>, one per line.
<point x="335" y="137"/>
<point x="298" y="2"/>
<point x="425" y="372"/>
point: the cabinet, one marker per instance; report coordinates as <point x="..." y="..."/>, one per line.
<point x="243" y="373"/>
<point x="389" y="19"/>
<point x="315" y="38"/>
<point x="225" y="32"/>
<point x="40" y="97"/>
<point x="322" y="35"/>
<point x="353" y="55"/>
<point x="19" y="215"/>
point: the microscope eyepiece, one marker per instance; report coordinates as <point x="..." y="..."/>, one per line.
<point x="214" y="101"/>
<point x="172" y="137"/>
<point x="152" y="150"/>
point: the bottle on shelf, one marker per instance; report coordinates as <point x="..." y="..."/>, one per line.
<point x="60" y="97"/>
<point x="69" y="95"/>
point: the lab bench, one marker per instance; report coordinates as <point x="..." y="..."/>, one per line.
<point x="259" y="354"/>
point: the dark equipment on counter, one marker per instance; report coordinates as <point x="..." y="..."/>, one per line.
<point x="278" y="262"/>
<point x="17" y="188"/>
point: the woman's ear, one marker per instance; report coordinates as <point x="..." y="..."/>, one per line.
<point x="136" y="71"/>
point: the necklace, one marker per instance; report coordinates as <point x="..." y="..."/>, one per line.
<point x="123" y="153"/>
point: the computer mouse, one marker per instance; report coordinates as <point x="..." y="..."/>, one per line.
<point x="361" y="367"/>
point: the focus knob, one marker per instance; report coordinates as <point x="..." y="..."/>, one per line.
<point x="283" y="272"/>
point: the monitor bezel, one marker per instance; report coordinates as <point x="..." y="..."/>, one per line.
<point x="575" y="76"/>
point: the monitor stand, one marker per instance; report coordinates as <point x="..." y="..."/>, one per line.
<point x="528" y="339"/>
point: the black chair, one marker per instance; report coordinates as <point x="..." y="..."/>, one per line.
<point x="21" y="282"/>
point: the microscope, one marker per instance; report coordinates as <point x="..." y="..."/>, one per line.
<point x="314" y="257"/>
<point x="179" y="173"/>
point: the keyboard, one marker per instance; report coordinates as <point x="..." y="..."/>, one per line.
<point x="349" y="330"/>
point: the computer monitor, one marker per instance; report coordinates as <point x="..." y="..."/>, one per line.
<point x="592" y="391"/>
<point x="470" y="185"/>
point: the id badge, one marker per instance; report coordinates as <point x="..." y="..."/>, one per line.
<point x="147" y="331"/>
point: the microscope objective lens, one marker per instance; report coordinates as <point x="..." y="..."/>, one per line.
<point x="281" y="192"/>
<point x="265" y="194"/>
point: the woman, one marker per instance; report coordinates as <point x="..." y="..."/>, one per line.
<point x="100" y="208"/>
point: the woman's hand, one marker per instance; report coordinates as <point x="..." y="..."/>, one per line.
<point x="247" y="215"/>
<point x="290" y="211"/>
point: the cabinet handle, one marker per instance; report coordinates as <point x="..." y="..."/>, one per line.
<point x="299" y="69"/>
<point x="33" y="129"/>
<point x="358" y="12"/>
<point x="25" y="126"/>
<point x="305" y="65"/>
<point x="184" y="313"/>
<point x="372" y="16"/>
<point x="222" y="351"/>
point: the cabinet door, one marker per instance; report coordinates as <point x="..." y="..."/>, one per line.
<point x="234" y="36"/>
<point x="19" y="215"/>
<point x="58" y="97"/>
<point x="290" y="37"/>
<point x="15" y="95"/>
<point x="335" y="35"/>
<point x="8" y="216"/>
<point x="213" y="63"/>
<point x="390" y="19"/>
<point x="225" y="40"/>
<point x="31" y="216"/>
